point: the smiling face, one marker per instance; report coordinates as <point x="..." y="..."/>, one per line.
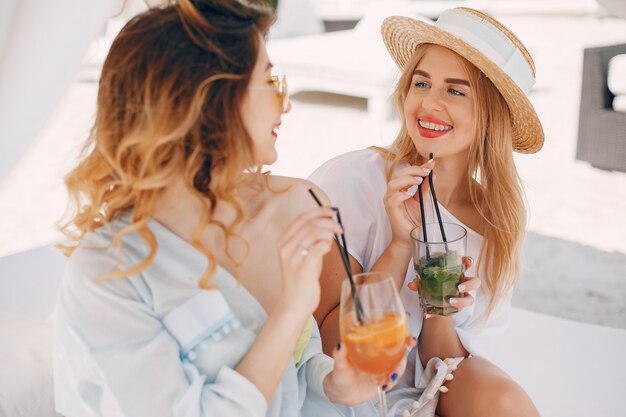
<point x="262" y="110"/>
<point x="439" y="108"/>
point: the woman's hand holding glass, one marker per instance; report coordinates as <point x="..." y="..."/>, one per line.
<point x="401" y="201"/>
<point x="375" y="337"/>
<point x="301" y="252"/>
<point x="349" y="385"/>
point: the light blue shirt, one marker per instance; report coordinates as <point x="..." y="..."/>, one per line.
<point x="155" y="344"/>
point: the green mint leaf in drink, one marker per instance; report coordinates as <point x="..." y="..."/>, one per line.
<point x="438" y="277"/>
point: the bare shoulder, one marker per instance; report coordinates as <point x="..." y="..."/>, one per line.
<point x="294" y="194"/>
<point x="289" y="197"/>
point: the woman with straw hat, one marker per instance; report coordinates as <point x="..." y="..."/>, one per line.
<point x="190" y="287"/>
<point x="462" y="97"/>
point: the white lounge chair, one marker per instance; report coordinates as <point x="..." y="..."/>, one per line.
<point x="570" y="369"/>
<point x="29" y="282"/>
<point x="353" y="62"/>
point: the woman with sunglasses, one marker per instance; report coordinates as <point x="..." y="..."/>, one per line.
<point x="461" y="96"/>
<point x="190" y="287"/>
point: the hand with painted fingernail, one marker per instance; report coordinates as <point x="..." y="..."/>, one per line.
<point x="346" y="384"/>
<point x="393" y="377"/>
<point x="467" y="285"/>
<point x="350" y="386"/>
<point x="402" y="203"/>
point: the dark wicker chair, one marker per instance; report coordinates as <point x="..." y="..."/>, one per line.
<point x="601" y="130"/>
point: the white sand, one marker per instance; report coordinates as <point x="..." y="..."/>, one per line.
<point x="576" y="248"/>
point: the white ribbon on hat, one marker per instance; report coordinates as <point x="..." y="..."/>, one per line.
<point x="491" y="42"/>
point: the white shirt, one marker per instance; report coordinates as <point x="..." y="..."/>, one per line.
<point x="135" y="346"/>
<point x="356" y="183"/>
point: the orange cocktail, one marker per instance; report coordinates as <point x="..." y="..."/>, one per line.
<point x="378" y="345"/>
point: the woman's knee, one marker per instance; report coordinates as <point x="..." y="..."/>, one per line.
<point x="481" y="389"/>
<point x="504" y="397"/>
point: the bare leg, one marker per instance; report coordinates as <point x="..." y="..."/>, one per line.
<point x="481" y="389"/>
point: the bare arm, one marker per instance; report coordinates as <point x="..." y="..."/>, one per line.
<point x="395" y="260"/>
<point x="439" y="339"/>
<point x="399" y="203"/>
<point x="267" y="359"/>
<point x="256" y="365"/>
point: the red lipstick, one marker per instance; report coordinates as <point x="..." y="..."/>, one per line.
<point x="430" y="133"/>
<point x="275" y="130"/>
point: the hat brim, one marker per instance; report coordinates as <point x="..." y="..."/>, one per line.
<point x="402" y="35"/>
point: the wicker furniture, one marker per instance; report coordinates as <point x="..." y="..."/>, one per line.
<point x="601" y="129"/>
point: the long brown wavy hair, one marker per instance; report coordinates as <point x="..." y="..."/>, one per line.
<point x="499" y="199"/>
<point x="169" y="102"/>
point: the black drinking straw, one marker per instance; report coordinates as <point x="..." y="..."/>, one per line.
<point x="432" y="190"/>
<point x="343" y="252"/>
<point x="360" y="314"/>
<point x="424" y="234"/>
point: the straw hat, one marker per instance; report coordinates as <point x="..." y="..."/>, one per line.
<point x="487" y="44"/>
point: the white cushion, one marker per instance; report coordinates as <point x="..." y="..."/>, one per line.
<point x="29" y="281"/>
<point x="26" y="373"/>
<point x="619" y="103"/>
<point x="568" y="368"/>
<point x="616" y="77"/>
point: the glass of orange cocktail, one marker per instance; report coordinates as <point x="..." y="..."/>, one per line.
<point x="377" y="343"/>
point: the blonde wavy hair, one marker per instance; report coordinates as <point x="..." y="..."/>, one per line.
<point x="169" y="102"/>
<point x="499" y="198"/>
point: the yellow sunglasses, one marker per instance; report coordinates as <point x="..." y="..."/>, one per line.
<point x="280" y="87"/>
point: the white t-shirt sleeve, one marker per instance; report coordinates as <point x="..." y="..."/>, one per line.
<point x="475" y="330"/>
<point x="356" y="197"/>
<point x="115" y="357"/>
<point x="472" y="324"/>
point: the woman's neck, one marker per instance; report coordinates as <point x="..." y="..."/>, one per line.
<point x="451" y="181"/>
<point x="180" y="209"/>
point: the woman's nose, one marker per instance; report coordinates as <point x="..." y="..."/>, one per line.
<point x="289" y="106"/>
<point x="433" y="100"/>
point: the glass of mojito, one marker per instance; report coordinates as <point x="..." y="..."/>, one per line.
<point x="438" y="265"/>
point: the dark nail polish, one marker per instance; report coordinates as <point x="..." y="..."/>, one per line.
<point x="339" y="346"/>
<point x="393" y="377"/>
<point x="335" y="209"/>
<point x="384" y="387"/>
